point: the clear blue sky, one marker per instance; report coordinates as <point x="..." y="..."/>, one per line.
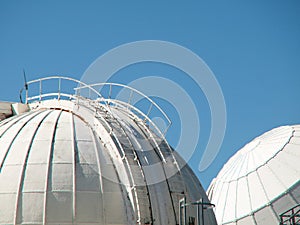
<point x="253" y="48"/>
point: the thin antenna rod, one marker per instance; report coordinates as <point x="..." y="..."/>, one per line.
<point x="25" y="80"/>
<point x="26" y="88"/>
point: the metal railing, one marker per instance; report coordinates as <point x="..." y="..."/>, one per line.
<point x="201" y="206"/>
<point x="77" y="89"/>
<point x="144" y="113"/>
<point x="291" y="216"/>
<point x="59" y="92"/>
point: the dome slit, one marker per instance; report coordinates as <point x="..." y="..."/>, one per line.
<point x="163" y="151"/>
<point x="142" y="189"/>
<point x="131" y="161"/>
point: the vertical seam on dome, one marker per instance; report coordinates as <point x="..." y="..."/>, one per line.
<point x="49" y="167"/>
<point x="266" y="162"/>
<point x="291" y="189"/>
<point x="98" y="159"/>
<point x="237" y="182"/>
<point x="292" y="197"/>
<point x="100" y="173"/>
<point x="21" y="183"/>
<point x="282" y="150"/>
<point x="236" y="196"/>
<point x="247" y="167"/>
<point x="218" y="196"/>
<point x="251" y="208"/>
<point x="271" y="207"/>
<point x="236" y="188"/>
<point x="225" y="201"/>
<point x="8" y="149"/>
<point x="246" y="161"/>
<point x="74" y="147"/>
<point x="234" y="168"/>
<point x="217" y="191"/>
<point x="254" y="219"/>
<point x="285" y="187"/>
<point x="277" y="178"/>
<point x="227" y="176"/>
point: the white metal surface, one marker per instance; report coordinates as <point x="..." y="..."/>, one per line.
<point x="77" y="161"/>
<point x="260" y="181"/>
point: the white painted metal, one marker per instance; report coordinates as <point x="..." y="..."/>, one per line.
<point x="19" y="108"/>
<point x="82" y="161"/>
<point x="261" y="181"/>
<point x="127" y="101"/>
<point x="90" y="88"/>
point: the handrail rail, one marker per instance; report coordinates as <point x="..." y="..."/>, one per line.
<point x="290" y="215"/>
<point x="132" y="90"/>
<point x="99" y="98"/>
<point x="59" y="78"/>
<point x="150" y="121"/>
<point x="282" y="214"/>
<point x="120" y="103"/>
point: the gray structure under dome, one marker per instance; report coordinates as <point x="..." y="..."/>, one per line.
<point x="75" y="158"/>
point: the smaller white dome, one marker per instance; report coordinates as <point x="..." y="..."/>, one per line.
<point x="260" y="181"/>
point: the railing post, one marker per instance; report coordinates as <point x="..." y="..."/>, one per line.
<point x="109" y="94"/>
<point x="26" y="96"/>
<point x="150" y="108"/>
<point x="166" y="130"/>
<point x="293" y="218"/>
<point x="40" y="98"/>
<point x="182" y="212"/>
<point x="202" y="211"/>
<point x="59" y="87"/>
<point x="198" y="215"/>
<point x="79" y="90"/>
<point x="130" y="96"/>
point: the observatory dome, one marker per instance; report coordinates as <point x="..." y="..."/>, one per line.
<point x="261" y="181"/>
<point x="70" y="159"/>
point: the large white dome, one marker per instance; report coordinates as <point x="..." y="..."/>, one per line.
<point x="260" y="181"/>
<point x="79" y="161"/>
